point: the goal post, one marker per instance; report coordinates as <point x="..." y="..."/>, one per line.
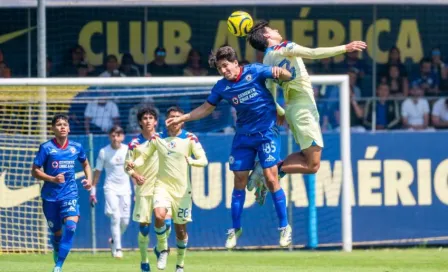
<point x="204" y="82"/>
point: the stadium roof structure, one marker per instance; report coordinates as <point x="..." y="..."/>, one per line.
<point x="149" y="3"/>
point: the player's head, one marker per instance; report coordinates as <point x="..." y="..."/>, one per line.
<point x="147" y="119"/>
<point x="172" y="112"/>
<point x="225" y="61"/>
<point x="261" y="36"/>
<point x="116" y="136"/>
<point x="60" y="125"/>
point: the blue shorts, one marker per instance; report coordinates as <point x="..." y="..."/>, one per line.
<point x="246" y="147"/>
<point x="56" y="211"/>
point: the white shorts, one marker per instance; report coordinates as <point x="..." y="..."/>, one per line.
<point x="180" y="207"/>
<point x="117" y="205"/>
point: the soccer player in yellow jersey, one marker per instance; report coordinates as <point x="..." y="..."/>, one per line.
<point x="145" y="177"/>
<point x="301" y="111"/>
<point x="173" y="187"/>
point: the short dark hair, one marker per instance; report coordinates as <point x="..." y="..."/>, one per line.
<point x="223" y="53"/>
<point x="256" y="36"/>
<point x="175" y="109"/>
<point x="58" y="117"/>
<point x="116" y="129"/>
<point x="425" y="60"/>
<point x="146" y="110"/>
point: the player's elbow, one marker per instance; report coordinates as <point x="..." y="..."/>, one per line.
<point x="314" y="167"/>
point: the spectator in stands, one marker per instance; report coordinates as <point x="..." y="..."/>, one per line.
<point x="194" y="64"/>
<point x="128" y="67"/>
<point x="77" y="56"/>
<point x="5" y="72"/>
<point x="398" y="85"/>
<point x="101" y="115"/>
<point x="133" y="125"/>
<point x="393" y="59"/>
<point x="83" y="69"/>
<point x="387" y="111"/>
<point x="111" y="66"/>
<point x="356" y="114"/>
<point x="439" y="68"/>
<point x="415" y="110"/>
<point x="353" y="78"/>
<point x="352" y="60"/>
<point x="158" y="67"/>
<point x="427" y="80"/>
<point x="440" y="114"/>
<point x="322" y="108"/>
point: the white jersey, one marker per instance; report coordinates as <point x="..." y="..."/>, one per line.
<point x="112" y="160"/>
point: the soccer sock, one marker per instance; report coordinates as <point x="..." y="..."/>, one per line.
<point x="281" y="174"/>
<point x="115" y="231"/>
<point x="55" y="240"/>
<point x="168" y="227"/>
<point x="238" y="198"/>
<point x="143" y="241"/>
<point x="279" y="199"/>
<point x="124" y="222"/>
<point x="66" y="241"/>
<point x="162" y="241"/>
<point x="181" y="251"/>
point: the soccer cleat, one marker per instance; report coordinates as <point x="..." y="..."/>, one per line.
<point x="285" y="236"/>
<point x="118" y="254"/>
<point x="260" y="194"/>
<point x="255" y="177"/>
<point x="161" y="261"/>
<point x="57" y="269"/>
<point x="232" y="237"/>
<point x="145" y="267"/>
<point x="179" y="268"/>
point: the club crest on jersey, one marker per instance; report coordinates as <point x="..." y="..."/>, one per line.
<point x="235" y="100"/>
<point x="73" y="150"/>
<point x="55" y="164"/>
<point x="172" y="144"/>
<point x="249" y="77"/>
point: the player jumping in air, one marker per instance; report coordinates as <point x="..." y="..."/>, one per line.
<point x="60" y="191"/>
<point x="173" y="187"/>
<point x="301" y="111"/>
<point x="117" y="187"/>
<point x="145" y="177"/>
<point x="256" y="132"/>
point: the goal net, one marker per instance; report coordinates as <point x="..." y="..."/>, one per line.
<point x="95" y="104"/>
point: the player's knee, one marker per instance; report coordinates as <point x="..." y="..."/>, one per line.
<point x="314" y="167"/>
<point x="240" y="181"/>
<point x="272" y="184"/>
<point x="159" y="215"/>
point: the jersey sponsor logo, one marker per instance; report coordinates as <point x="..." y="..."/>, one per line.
<point x="55" y="164"/>
<point x="249" y="77"/>
<point x="66" y="164"/>
<point x="11" y="198"/>
<point x="245" y="96"/>
<point x="231" y="160"/>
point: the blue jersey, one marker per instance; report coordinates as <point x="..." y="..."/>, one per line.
<point x="253" y="102"/>
<point x="56" y="159"/>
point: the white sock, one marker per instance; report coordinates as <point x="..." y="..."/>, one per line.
<point x="115" y="230"/>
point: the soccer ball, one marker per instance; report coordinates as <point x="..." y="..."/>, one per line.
<point x="239" y="23"/>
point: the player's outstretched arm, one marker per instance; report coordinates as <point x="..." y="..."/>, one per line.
<point x="37" y="173"/>
<point x="198" y="152"/>
<point x="196" y="114"/>
<point x="295" y="50"/>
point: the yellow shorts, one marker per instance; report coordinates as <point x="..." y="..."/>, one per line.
<point x="180" y="207"/>
<point x="304" y="124"/>
<point x="143" y="209"/>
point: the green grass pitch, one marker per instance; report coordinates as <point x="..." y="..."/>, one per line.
<point x="384" y="260"/>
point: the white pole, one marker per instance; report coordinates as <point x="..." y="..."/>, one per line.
<point x="290" y="204"/>
<point x="344" y="105"/>
<point x="41" y="72"/>
<point x="92" y="209"/>
<point x="374" y="77"/>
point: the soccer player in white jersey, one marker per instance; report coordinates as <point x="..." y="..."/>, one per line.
<point x="174" y="147"/>
<point x="117" y="187"/>
<point x="301" y="111"/>
<point x="144" y="177"/>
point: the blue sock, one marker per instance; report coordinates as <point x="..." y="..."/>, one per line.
<point x="66" y="242"/>
<point x="55" y="240"/>
<point x="168" y="224"/>
<point x="279" y="199"/>
<point x="238" y="198"/>
<point x="281" y="174"/>
<point x="144" y="230"/>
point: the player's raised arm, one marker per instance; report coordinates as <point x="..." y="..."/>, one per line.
<point x="196" y="114"/>
<point x="295" y="50"/>
<point x="198" y="152"/>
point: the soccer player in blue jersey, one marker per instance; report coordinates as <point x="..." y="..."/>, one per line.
<point x="256" y="132"/>
<point x="60" y="191"/>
